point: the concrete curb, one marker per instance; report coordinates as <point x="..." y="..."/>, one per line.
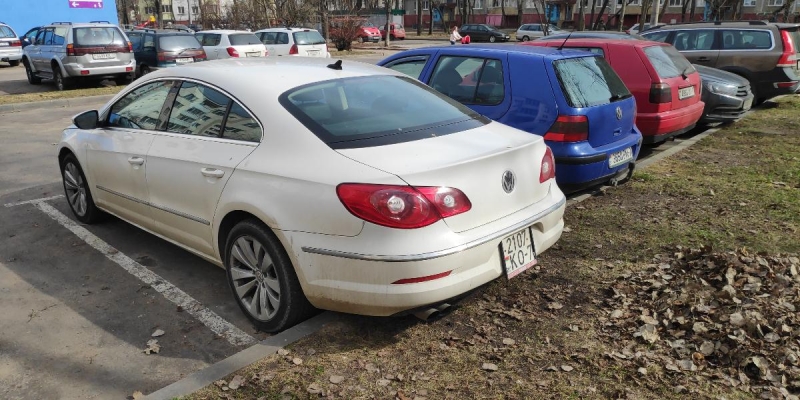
<point x="75" y="101"/>
<point x="250" y="355"/>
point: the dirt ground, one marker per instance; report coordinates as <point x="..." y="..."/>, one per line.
<point x="612" y="311"/>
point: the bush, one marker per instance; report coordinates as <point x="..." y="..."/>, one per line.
<point x="344" y="30"/>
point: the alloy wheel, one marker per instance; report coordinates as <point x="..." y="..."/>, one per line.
<point x="255" y="278"/>
<point x="492" y="39"/>
<point x="76" y="189"/>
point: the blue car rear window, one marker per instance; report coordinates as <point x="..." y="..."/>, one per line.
<point x="589" y="82"/>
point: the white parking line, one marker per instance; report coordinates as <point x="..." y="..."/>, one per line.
<point x="34" y="201"/>
<point x="221" y="327"/>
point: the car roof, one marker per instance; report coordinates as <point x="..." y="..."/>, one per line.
<point x="754" y="24"/>
<point x="595" y="34"/>
<point x="81" y="24"/>
<point x="614" y="42"/>
<point x="163" y="32"/>
<point x="223" y="31"/>
<point x="483" y="49"/>
<point x="286" y="30"/>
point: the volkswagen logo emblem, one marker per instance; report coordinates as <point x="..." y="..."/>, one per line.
<point x="619" y="113"/>
<point x="508" y="181"/>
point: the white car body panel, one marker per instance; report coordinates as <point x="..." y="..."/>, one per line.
<point x="303" y="50"/>
<point x="220" y="51"/>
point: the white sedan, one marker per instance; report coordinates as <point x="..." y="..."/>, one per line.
<point x="345" y="187"/>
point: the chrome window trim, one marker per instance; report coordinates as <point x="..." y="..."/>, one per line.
<point x="716" y="28"/>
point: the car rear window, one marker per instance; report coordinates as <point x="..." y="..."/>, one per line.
<point x="308" y="37"/>
<point x="178" y="42"/>
<point x="589" y="82"/>
<point x="667" y="61"/>
<point x="6" y="32"/>
<point x="376" y="110"/>
<point x="98" y="36"/>
<point x="742" y="39"/>
<point x="243" y="39"/>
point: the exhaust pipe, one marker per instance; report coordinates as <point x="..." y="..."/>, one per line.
<point x="433" y="313"/>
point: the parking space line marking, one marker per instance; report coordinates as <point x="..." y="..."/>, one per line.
<point x="34" y="201"/>
<point x="221" y="327"/>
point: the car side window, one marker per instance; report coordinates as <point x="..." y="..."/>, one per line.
<point x="141" y="108"/>
<point x="283" y="38"/>
<point x="744" y="39"/>
<point x="199" y="37"/>
<point x="240" y="125"/>
<point x="198" y="110"/>
<point x="48" y="37"/>
<point x="136" y="40"/>
<point x="31" y="36"/>
<point x="211" y="39"/>
<point x="595" y="50"/>
<point x="469" y="80"/>
<point x="694" y="40"/>
<point x="658" y="36"/>
<point x="411" y="66"/>
<point x="59" y="35"/>
<point x="40" y="37"/>
<point x="149" y="41"/>
<point x="267" y="37"/>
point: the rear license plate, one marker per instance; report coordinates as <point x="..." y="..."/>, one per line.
<point x="620" y="157"/>
<point x="748" y="104"/>
<point x="313" y="52"/>
<point x="3" y="44"/>
<point x="184" y="60"/>
<point x="254" y="54"/>
<point x="518" y="252"/>
<point x="104" y="56"/>
<point x="685" y="93"/>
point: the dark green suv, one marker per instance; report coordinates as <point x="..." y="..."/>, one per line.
<point x="765" y="53"/>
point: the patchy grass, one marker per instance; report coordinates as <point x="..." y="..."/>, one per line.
<point x="54" y="95"/>
<point x="739" y="187"/>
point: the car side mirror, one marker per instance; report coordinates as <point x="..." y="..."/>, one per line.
<point x="87" y="120"/>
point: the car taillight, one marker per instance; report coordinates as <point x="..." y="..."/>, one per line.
<point x="232" y="52"/>
<point x="163" y="56"/>
<point x="403" y="207"/>
<point x="293" y="49"/>
<point x="201" y="55"/>
<point x="548" y="168"/>
<point x="660" y="93"/>
<point x="789" y="56"/>
<point x="568" y="128"/>
<point x="16" y="43"/>
<point x="71" y="49"/>
<point x="130" y="47"/>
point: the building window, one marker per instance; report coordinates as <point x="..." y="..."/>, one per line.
<point x="478" y="4"/>
<point x="426" y="4"/>
<point x="181" y="10"/>
<point x="194" y="10"/>
<point x="166" y="9"/>
<point x="675" y="3"/>
<point x="775" y="3"/>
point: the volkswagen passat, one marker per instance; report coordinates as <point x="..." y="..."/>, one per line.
<point x="343" y="187"/>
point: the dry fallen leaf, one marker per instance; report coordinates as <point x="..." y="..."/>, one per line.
<point x="555" y="305"/>
<point x="236" y="382"/>
<point x="489" y="367"/>
<point x="152" y="346"/>
<point x="508" y="341"/>
<point x="157" y="333"/>
<point x="314" y="388"/>
<point x="137" y="395"/>
<point x="283" y="352"/>
<point x="297" y="361"/>
<point x="383" y="382"/>
<point x="336" y="379"/>
<point x="566" y="368"/>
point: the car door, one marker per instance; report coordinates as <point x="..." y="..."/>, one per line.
<point x="190" y="162"/>
<point x="747" y="49"/>
<point x="411" y="66"/>
<point x="117" y="153"/>
<point x="477" y="82"/>
<point x="29" y="37"/>
<point x="269" y="40"/>
<point x="483" y="33"/>
<point x="697" y="45"/>
<point x="211" y="42"/>
<point x="35" y="50"/>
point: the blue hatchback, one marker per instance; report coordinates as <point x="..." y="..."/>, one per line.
<point x="572" y="98"/>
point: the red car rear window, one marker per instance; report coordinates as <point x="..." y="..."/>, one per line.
<point x="667" y="61"/>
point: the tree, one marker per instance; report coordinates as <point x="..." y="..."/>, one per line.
<point x="419" y="17"/>
<point x="581" y="15"/>
<point x="599" y="19"/>
<point x="621" y="17"/>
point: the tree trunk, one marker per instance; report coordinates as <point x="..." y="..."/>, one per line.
<point x="388" y="23"/>
<point x="520" y="5"/>
<point x="596" y="24"/>
<point x="430" y="13"/>
<point x="692" y="9"/>
<point x="502" y="13"/>
<point x="419" y="17"/>
<point x="582" y="15"/>
<point x="621" y="20"/>
<point x="591" y="14"/>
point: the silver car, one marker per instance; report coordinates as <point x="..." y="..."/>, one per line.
<point x="343" y="186"/>
<point x="66" y="52"/>
<point x="10" y="46"/>
<point x="534" y="31"/>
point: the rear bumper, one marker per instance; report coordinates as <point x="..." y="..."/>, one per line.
<point x="578" y="165"/>
<point x="11" y="56"/>
<point x="335" y="277"/>
<point x="768" y="86"/>
<point x="722" y="108"/>
<point x="659" y="126"/>
<point x="74" y="70"/>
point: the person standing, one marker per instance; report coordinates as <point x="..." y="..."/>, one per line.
<point x="454" y="36"/>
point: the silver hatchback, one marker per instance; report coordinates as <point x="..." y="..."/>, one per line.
<point x="67" y="52"/>
<point x="10" y="45"/>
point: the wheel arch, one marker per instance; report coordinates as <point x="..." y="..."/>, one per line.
<point x="56" y="63"/>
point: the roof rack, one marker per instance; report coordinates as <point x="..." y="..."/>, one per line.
<point x="61" y="23"/>
<point x="751" y="22"/>
<point x="99" y="22"/>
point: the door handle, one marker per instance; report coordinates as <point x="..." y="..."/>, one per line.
<point x="212" y="173"/>
<point x="703" y="59"/>
<point x="136" y="160"/>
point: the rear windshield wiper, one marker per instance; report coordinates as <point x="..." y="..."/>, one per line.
<point x="685" y="72"/>
<point x="617" y="96"/>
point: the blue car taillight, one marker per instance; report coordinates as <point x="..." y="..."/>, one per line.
<point x="569" y="128"/>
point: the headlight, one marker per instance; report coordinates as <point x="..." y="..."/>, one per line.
<point x="721" y="88"/>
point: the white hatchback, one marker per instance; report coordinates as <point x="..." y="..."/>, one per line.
<point x="294" y="41"/>
<point x="343" y="186"/>
<point x="220" y="44"/>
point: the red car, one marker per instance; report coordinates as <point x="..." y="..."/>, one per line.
<point x="398" y="32"/>
<point x="369" y="33"/>
<point x="666" y="86"/>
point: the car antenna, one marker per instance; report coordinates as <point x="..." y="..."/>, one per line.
<point x="565" y="41"/>
<point x="337" y="65"/>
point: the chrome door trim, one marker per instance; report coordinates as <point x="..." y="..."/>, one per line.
<point x="147" y="203"/>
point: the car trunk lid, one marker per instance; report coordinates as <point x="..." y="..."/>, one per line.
<point x="247" y="45"/>
<point x="473" y="161"/>
<point x="310" y="43"/>
<point x="668" y="66"/>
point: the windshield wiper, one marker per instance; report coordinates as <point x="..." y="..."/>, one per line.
<point x="684" y="73"/>
<point x="616" y="97"/>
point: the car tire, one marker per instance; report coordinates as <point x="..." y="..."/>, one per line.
<point x="62" y="82"/>
<point x="492" y="39"/>
<point x="392" y="37"/>
<point x="76" y="189"/>
<point x="526" y="38"/>
<point x="14" y="63"/>
<point x="32" y="78"/>
<point x="262" y="279"/>
<point x="143" y="70"/>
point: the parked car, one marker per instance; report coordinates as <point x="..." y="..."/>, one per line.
<point x="534" y="31"/>
<point x="573" y="99"/>
<point x="294" y="42"/>
<point x="483" y="33"/>
<point x="764" y="53"/>
<point x="420" y="199"/>
<point x="369" y="32"/>
<point x="67" y="52"/>
<point x="638" y="28"/>
<point x="666" y="86"/>
<point x="221" y="44"/>
<point x="351" y="28"/>
<point x="398" y="32"/>
<point x="180" y="28"/>
<point x="10" y="46"/>
<point x="593" y="35"/>
<point x="29" y="36"/>
<point x="155" y="49"/>
<point x="727" y="96"/>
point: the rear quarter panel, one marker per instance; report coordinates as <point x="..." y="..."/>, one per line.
<point x="533" y="106"/>
<point x="628" y="63"/>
